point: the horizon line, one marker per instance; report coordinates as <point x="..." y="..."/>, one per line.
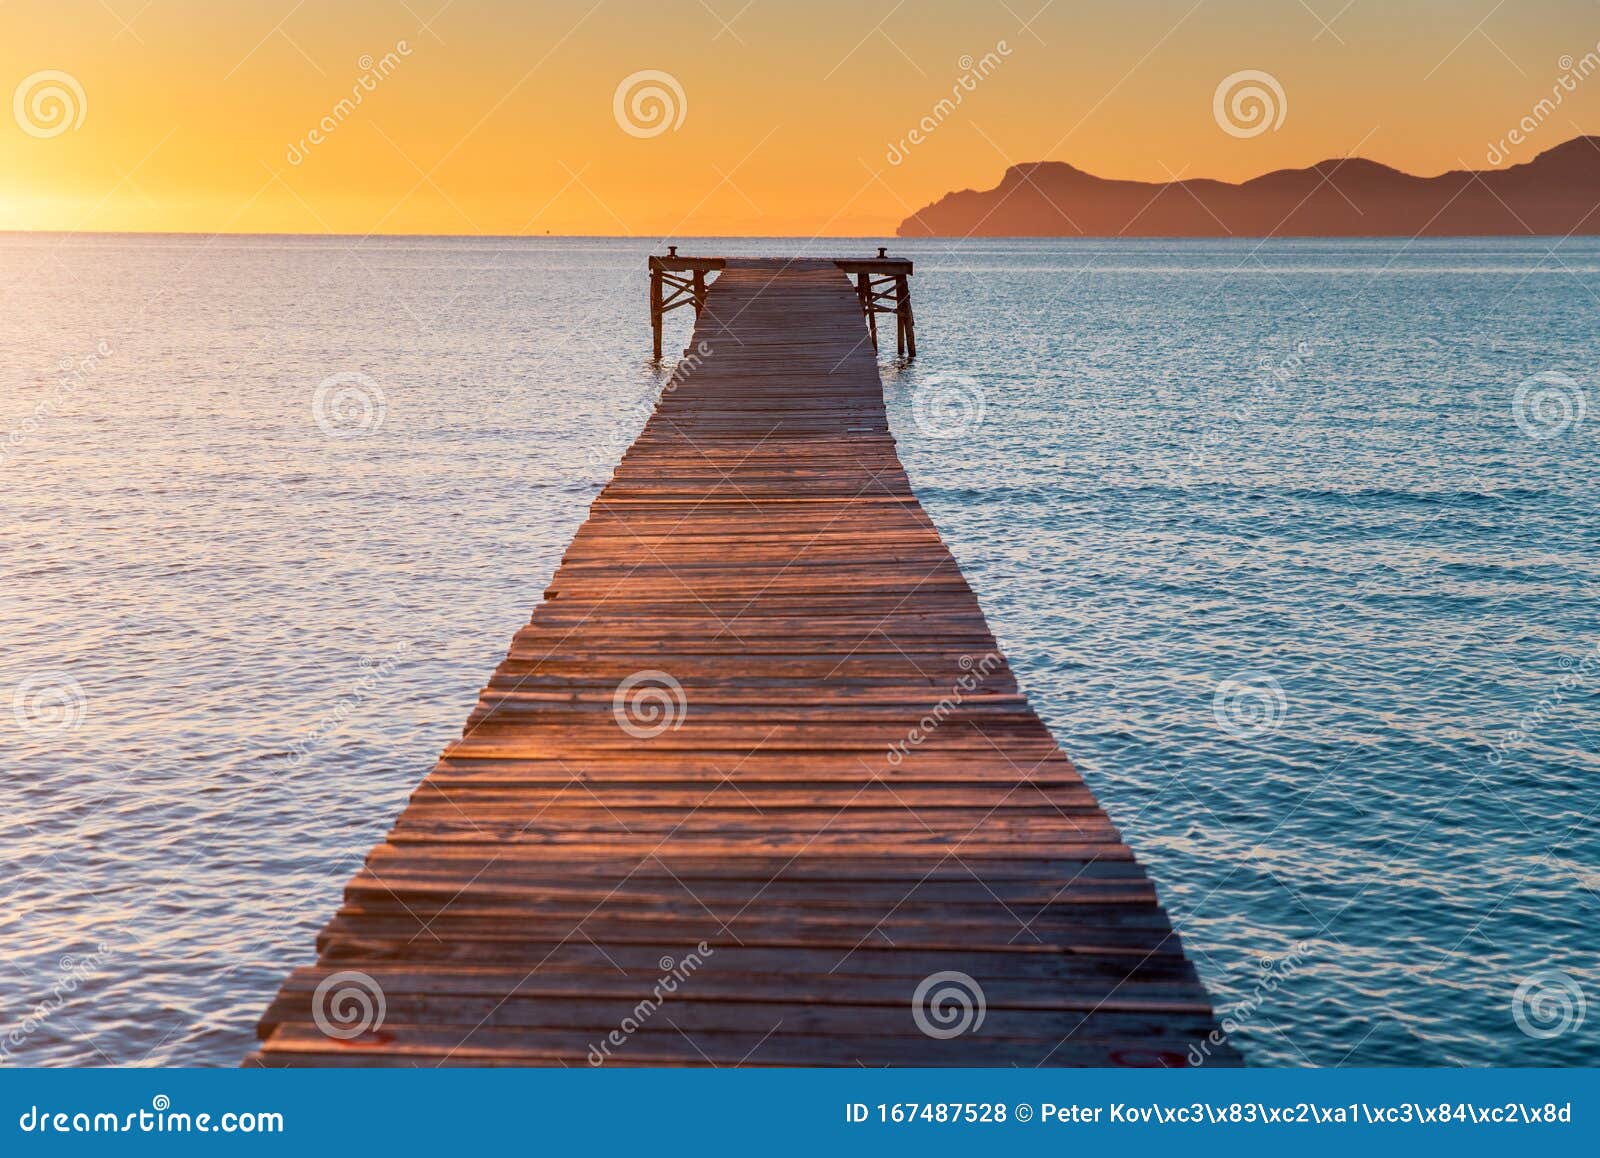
<point x="891" y="233"/>
<point x="890" y="238"/>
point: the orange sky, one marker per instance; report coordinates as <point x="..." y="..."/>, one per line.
<point x="498" y="117"/>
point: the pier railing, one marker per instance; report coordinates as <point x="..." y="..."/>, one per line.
<point x="882" y="287"/>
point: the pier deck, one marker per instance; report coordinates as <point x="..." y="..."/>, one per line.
<point x="755" y="785"/>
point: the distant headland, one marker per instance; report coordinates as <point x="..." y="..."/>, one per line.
<point x="1556" y="193"/>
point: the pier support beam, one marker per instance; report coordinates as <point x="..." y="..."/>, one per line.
<point x="677" y="281"/>
<point x="882" y="285"/>
<point x="907" y="340"/>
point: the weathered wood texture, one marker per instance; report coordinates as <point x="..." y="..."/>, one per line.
<point x="849" y="797"/>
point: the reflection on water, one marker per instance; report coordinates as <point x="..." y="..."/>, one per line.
<point x="1297" y="573"/>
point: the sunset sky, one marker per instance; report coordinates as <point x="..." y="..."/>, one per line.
<point x="498" y="117"/>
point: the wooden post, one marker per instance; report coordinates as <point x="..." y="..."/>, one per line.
<point x="864" y="292"/>
<point x="655" y="309"/>
<point x="699" y="291"/>
<point x="902" y="293"/>
<point x="900" y="316"/>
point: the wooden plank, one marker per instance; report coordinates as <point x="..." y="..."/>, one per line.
<point x="759" y="724"/>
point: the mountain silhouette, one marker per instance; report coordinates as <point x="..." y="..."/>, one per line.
<point x="1558" y="192"/>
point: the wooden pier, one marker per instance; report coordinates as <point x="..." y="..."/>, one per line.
<point x="882" y="287"/>
<point x="755" y="785"/>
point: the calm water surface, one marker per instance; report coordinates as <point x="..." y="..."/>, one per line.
<point x="1280" y="543"/>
